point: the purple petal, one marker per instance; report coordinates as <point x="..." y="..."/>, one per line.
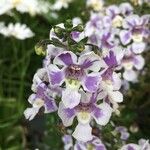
<point x="66" y="58"/>
<point x="125" y="37"/>
<point x="91" y="82"/>
<point x="56" y="75"/>
<point x="111" y="59"/>
<point x="50" y="105"/>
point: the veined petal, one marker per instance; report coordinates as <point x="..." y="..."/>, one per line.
<point x="50" y="105"/>
<point x="66" y="58"/>
<point x="30" y="113"/>
<point x="67" y="115"/>
<point x="125" y="37"/>
<point x="83" y="132"/>
<point x="71" y="97"/>
<point x="90" y="61"/>
<point x="56" y="75"/>
<point x="102" y="113"/>
<point x="91" y="82"/>
<point x="115" y="96"/>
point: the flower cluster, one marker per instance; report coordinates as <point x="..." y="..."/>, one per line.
<point x="82" y="69"/>
<point x="118" y="29"/>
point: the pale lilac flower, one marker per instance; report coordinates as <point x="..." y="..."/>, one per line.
<point x="143" y="145"/>
<point x="75" y="73"/>
<point x="111" y="82"/>
<point x="135" y="29"/>
<point x="40" y="99"/>
<point x="131" y="63"/>
<point x="95" y="144"/>
<point x="114" y="13"/>
<point x="123" y="131"/>
<point x="94" y="25"/>
<point x="86" y="110"/>
<point x="126" y="9"/>
<point x="68" y="142"/>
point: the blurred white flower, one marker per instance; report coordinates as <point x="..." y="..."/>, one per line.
<point x="19" y="31"/>
<point x="32" y="7"/>
<point x="96" y="5"/>
<point x="59" y="4"/>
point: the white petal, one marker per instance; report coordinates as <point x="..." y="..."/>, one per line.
<point x="83" y="132"/>
<point x="139" y="62"/>
<point x="104" y="118"/>
<point x="71" y="97"/>
<point x="130" y="75"/>
<point x="115" y="96"/>
<point x="116" y="81"/>
<point x="30" y="113"/>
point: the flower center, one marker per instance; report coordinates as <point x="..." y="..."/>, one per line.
<point x="38" y="103"/>
<point x="74" y="72"/>
<point x="84" y="117"/>
<point x="117" y="21"/>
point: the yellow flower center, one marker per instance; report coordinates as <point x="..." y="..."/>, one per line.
<point x="73" y="84"/>
<point x="38" y="102"/>
<point x="137" y="37"/>
<point x="84" y="117"/>
<point x="128" y="65"/>
<point x="117" y="21"/>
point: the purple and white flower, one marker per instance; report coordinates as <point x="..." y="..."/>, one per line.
<point x="134" y="30"/>
<point x="40" y="99"/>
<point x="143" y="145"/>
<point x="86" y="110"/>
<point x="75" y="74"/>
<point x="131" y="63"/>
<point x="123" y="131"/>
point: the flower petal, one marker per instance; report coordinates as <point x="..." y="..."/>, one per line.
<point x="66" y="58"/>
<point x="83" y="132"/>
<point x="125" y="37"/>
<point x="71" y="97"/>
<point x="56" y="75"/>
<point x="139" y="62"/>
<point x="131" y="147"/>
<point x="90" y="61"/>
<point x="67" y="115"/>
<point x="102" y="114"/>
<point x="138" y="48"/>
<point x="115" y="96"/>
<point x="90" y="82"/>
<point x="130" y="75"/>
<point x="30" y="113"/>
<point x="50" y="105"/>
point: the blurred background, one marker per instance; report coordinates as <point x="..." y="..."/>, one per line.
<point x="18" y="63"/>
